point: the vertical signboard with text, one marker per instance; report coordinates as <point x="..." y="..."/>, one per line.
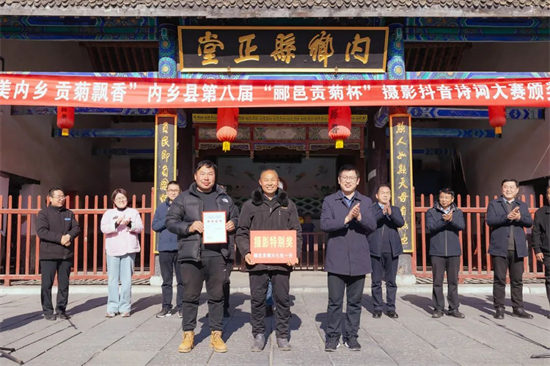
<point x="165" y="156"/>
<point x="401" y="179"/>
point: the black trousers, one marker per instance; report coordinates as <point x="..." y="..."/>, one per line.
<point x="49" y="268"/>
<point x="168" y="265"/>
<point x="353" y="286"/>
<point x="515" y="266"/>
<point x="211" y="271"/>
<point x="546" y="262"/>
<point x="259" y="281"/>
<point x="227" y="284"/>
<point x="385" y="265"/>
<point x="440" y="265"/>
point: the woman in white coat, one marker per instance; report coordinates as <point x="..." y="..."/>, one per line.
<point x="121" y="225"/>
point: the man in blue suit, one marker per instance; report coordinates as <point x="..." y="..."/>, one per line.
<point x="385" y="248"/>
<point x="508" y="217"/>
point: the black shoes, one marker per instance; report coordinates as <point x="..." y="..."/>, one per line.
<point x="456" y="314"/>
<point x="437" y="314"/>
<point x="499" y="313"/>
<point x="392" y="314"/>
<point x="164" y="313"/>
<point x="352" y="344"/>
<point x="63" y="315"/>
<point x="50" y="317"/>
<point x="520" y="313"/>
<point x="377" y="314"/>
<point x="332" y="344"/>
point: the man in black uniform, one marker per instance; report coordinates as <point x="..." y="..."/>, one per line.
<point x="57" y="228"/>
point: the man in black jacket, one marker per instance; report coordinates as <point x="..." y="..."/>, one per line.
<point x="268" y="209"/>
<point x="202" y="262"/>
<point x="508" y="217"/>
<point x="445" y="221"/>
<point x="57" y="228"/>
<point x="385" y="248"/>
<point x="541" y="240"/>
<point x="167" y="246"/>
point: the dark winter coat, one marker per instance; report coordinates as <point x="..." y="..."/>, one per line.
<point x="541" y="231"/>
<point x="348" y="250"/>
<point x="386" y="225"/>
<point x="167" y="241"/>
<point x="258" y="213"/>
<point x="186" y="209"/>
<point x="498" y="221"/>
<point x="444" y="239"/>
<point x="51" y="224"/>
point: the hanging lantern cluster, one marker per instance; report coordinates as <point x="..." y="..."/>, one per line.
<point x="65" y="119"/>
<point x="339" y="124"/>
<point x="228" y="122"/>
<point x="497" y="118"/>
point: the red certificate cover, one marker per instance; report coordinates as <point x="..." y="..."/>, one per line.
<point x="273" y="246"/>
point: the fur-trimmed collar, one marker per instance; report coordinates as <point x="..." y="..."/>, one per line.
<point x="258" y="197"/>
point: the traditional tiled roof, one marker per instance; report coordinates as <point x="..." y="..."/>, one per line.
<point x="278" y="8"/>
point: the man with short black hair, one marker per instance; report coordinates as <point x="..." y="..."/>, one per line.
<point x="444" y="222"/>
<point x="385" y="248"/>
<point x="56" y="227"/>
<point x="508" y="217"/>
<point x="541" y="240"/>
<point x="347" y="218"/>
<point x="168" y="254"/>
<point x="202" y="262"/>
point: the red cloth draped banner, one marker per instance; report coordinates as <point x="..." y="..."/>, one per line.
<point x="228" y="122"/>
<point x="339" y="124"/>
<point x="112" y="92"/>
<point x="65" y="119"/>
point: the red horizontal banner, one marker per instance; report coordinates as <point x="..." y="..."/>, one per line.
<point x="105" y="92"/>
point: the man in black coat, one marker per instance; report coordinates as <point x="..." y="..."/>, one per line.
<point x="508" y="217"/>
<point x="347" y="218"/>
<point x="270" y="208"/>
<point x="56" y="227"/>
<point x="541" y="240"/>
<point x="385" y="248"/>
<point x="167" y="246"/>
<point x="202" y="262"/>
<point x="444" y="222"/>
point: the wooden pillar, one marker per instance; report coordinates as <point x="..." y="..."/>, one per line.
<point x="165" y="124"/>
<point x="401" y="155"/>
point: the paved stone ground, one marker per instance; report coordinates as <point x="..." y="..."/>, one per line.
<point x="88" y="338"/>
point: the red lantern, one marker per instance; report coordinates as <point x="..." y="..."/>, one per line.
<point x="228" y="121"/>
<point x="339" y="124"/>
<point x="65" y="119"/>
<point x="497" y="118"/>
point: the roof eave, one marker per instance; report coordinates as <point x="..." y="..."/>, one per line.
<point x="143" y="11"/>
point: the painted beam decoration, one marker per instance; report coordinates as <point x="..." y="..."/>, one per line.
<point x="165" y="154"/>
<point x="283" y="49"/>
<point x="104" y="92"/>
<point x="401" y="179"/>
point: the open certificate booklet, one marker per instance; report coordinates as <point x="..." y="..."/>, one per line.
<point x="214" y="227"/>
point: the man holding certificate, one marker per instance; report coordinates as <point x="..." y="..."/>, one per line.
<point x="269" y="238"/>
<point x="203" y="217"/>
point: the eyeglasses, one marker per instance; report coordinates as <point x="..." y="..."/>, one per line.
<point x="348" y="179"/>
<point x="173" y="190"/>
<point x="59" y="197"/>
